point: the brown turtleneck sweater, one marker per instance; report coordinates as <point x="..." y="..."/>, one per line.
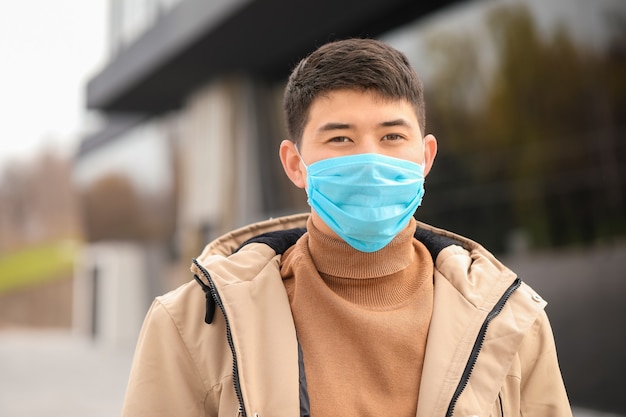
<point x="362" y="321"/>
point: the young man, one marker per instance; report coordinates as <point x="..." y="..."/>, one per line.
<point x="356" y="309"/>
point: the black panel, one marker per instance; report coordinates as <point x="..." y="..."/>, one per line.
<point x="261" y="38"/>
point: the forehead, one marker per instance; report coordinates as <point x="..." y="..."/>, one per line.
<point x="354" y="106"/>
<point x="355" y="94"/>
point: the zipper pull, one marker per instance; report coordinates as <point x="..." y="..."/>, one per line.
<point x="210" y="308"/>
<point x="210" y="302"/>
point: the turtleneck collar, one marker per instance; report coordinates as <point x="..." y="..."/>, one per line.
<point x="334" y="257"/>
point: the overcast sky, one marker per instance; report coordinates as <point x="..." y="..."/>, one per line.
<point x="48" y="49"/>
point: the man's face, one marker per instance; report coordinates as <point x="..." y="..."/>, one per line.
<point x="348" y="122"/>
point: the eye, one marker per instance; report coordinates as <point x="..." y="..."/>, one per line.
<point x="393" y="137"/>
<point x="339" y="139"/>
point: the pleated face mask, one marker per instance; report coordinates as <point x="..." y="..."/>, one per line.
<point x="366" y="199"/>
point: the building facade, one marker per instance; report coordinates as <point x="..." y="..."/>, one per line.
<point x="191" y="98"/>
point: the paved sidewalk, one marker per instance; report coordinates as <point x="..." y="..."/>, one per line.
<point x="52" y="373"/>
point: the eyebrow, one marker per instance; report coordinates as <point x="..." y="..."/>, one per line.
<point x="334" y="126"/>
<point x="397" y="122"/>
<point x="344" y="126"/>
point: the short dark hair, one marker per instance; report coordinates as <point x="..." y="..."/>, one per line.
<point x="354" y="64"/>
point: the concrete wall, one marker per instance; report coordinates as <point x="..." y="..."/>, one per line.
<point x="114" y="285"/>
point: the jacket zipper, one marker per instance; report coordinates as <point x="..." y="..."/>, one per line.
<point x="478" y="344"/>
<point x="229" y="337"/>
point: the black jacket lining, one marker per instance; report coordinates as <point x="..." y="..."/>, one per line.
<point x="434" y="242"/>
<point x="281" y="240"/>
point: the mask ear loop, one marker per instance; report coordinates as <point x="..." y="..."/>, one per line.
<point x="295" y="145"/>
<point x="423" y="164"/>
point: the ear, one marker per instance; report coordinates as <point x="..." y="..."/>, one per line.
<point x="292" y="164"/>
<point x="430" y="151"/>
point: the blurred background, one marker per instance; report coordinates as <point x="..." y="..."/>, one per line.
<point x="134" y="131"/>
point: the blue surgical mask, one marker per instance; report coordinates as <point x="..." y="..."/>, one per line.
<point x="366" y="199"/>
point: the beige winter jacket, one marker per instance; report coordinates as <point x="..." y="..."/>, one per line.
<point x="490" y="349"/>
